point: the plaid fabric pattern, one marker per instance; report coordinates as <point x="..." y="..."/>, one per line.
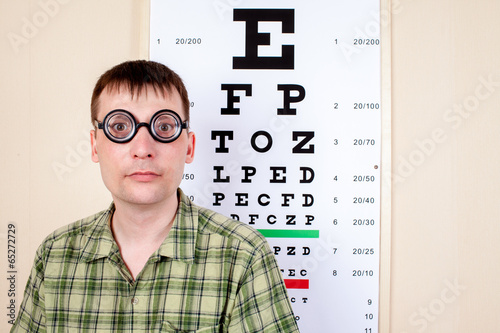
<point x="211" y="274"/>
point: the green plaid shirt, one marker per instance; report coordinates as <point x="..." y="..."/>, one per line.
<point x="211" y="274"/>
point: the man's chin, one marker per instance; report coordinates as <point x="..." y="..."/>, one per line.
<point x="148" y="197"/>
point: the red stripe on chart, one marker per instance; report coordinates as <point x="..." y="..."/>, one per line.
<point x="296" y="284"/>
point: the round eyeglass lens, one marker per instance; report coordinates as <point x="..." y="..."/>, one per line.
<point x="120" y="125"/>
<point x="166" y="126"/>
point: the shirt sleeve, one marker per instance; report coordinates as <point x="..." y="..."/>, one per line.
<point x="262" y="303"/>
<point x="31" y="316"/>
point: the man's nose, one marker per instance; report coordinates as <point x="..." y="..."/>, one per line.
<point x="143" y="145"/>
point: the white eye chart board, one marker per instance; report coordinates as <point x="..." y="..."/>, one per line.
<point x="286" y="106"/>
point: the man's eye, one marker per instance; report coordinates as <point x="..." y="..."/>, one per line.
<point x="120" y="127"/>
<point x="165" y="127"/>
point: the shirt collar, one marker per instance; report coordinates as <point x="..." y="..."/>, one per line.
<point x="99" y="239"/>
<point x="180" y="243"/>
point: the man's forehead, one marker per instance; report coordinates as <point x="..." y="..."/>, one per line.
<point x="133" y="92"/>
<point x="121" y="95"/>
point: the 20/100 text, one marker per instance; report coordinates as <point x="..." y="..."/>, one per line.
<point x="366" y="106"/>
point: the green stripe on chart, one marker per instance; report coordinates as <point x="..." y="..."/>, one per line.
<point x="284" y="233"/>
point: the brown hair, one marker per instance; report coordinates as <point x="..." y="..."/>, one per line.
<point x="136" y="75"/>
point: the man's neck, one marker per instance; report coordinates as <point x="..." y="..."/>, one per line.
<point x="139" y="230"/>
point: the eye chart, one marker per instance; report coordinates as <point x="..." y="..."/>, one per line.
<point x="286" y="107"/>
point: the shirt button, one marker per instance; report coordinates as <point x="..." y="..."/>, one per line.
<point x="134" y="301"/>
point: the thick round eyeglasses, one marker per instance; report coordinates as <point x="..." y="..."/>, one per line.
<point x="120" y="126"/>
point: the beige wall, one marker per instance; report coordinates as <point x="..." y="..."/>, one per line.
<point x="445" y="193"/>
<point x="445" y="205"/>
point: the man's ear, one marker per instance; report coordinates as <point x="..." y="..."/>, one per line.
<point x="93" y="146"/>
<point x="190" y="148"/>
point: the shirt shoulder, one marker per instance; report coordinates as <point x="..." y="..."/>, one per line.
<point x="213" y="222"/>
<point x="217" y="225"/>
<point x="75" y="236"/>
<point x="213" y="230"/>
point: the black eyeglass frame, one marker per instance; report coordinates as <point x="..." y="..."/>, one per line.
<point x="136" y="126"/>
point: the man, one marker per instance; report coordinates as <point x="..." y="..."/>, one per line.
<point x="153" y="261"/>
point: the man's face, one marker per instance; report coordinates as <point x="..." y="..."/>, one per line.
<point x="142" y="171"/>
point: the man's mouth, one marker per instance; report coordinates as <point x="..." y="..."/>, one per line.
<point x="143" y="176"/>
